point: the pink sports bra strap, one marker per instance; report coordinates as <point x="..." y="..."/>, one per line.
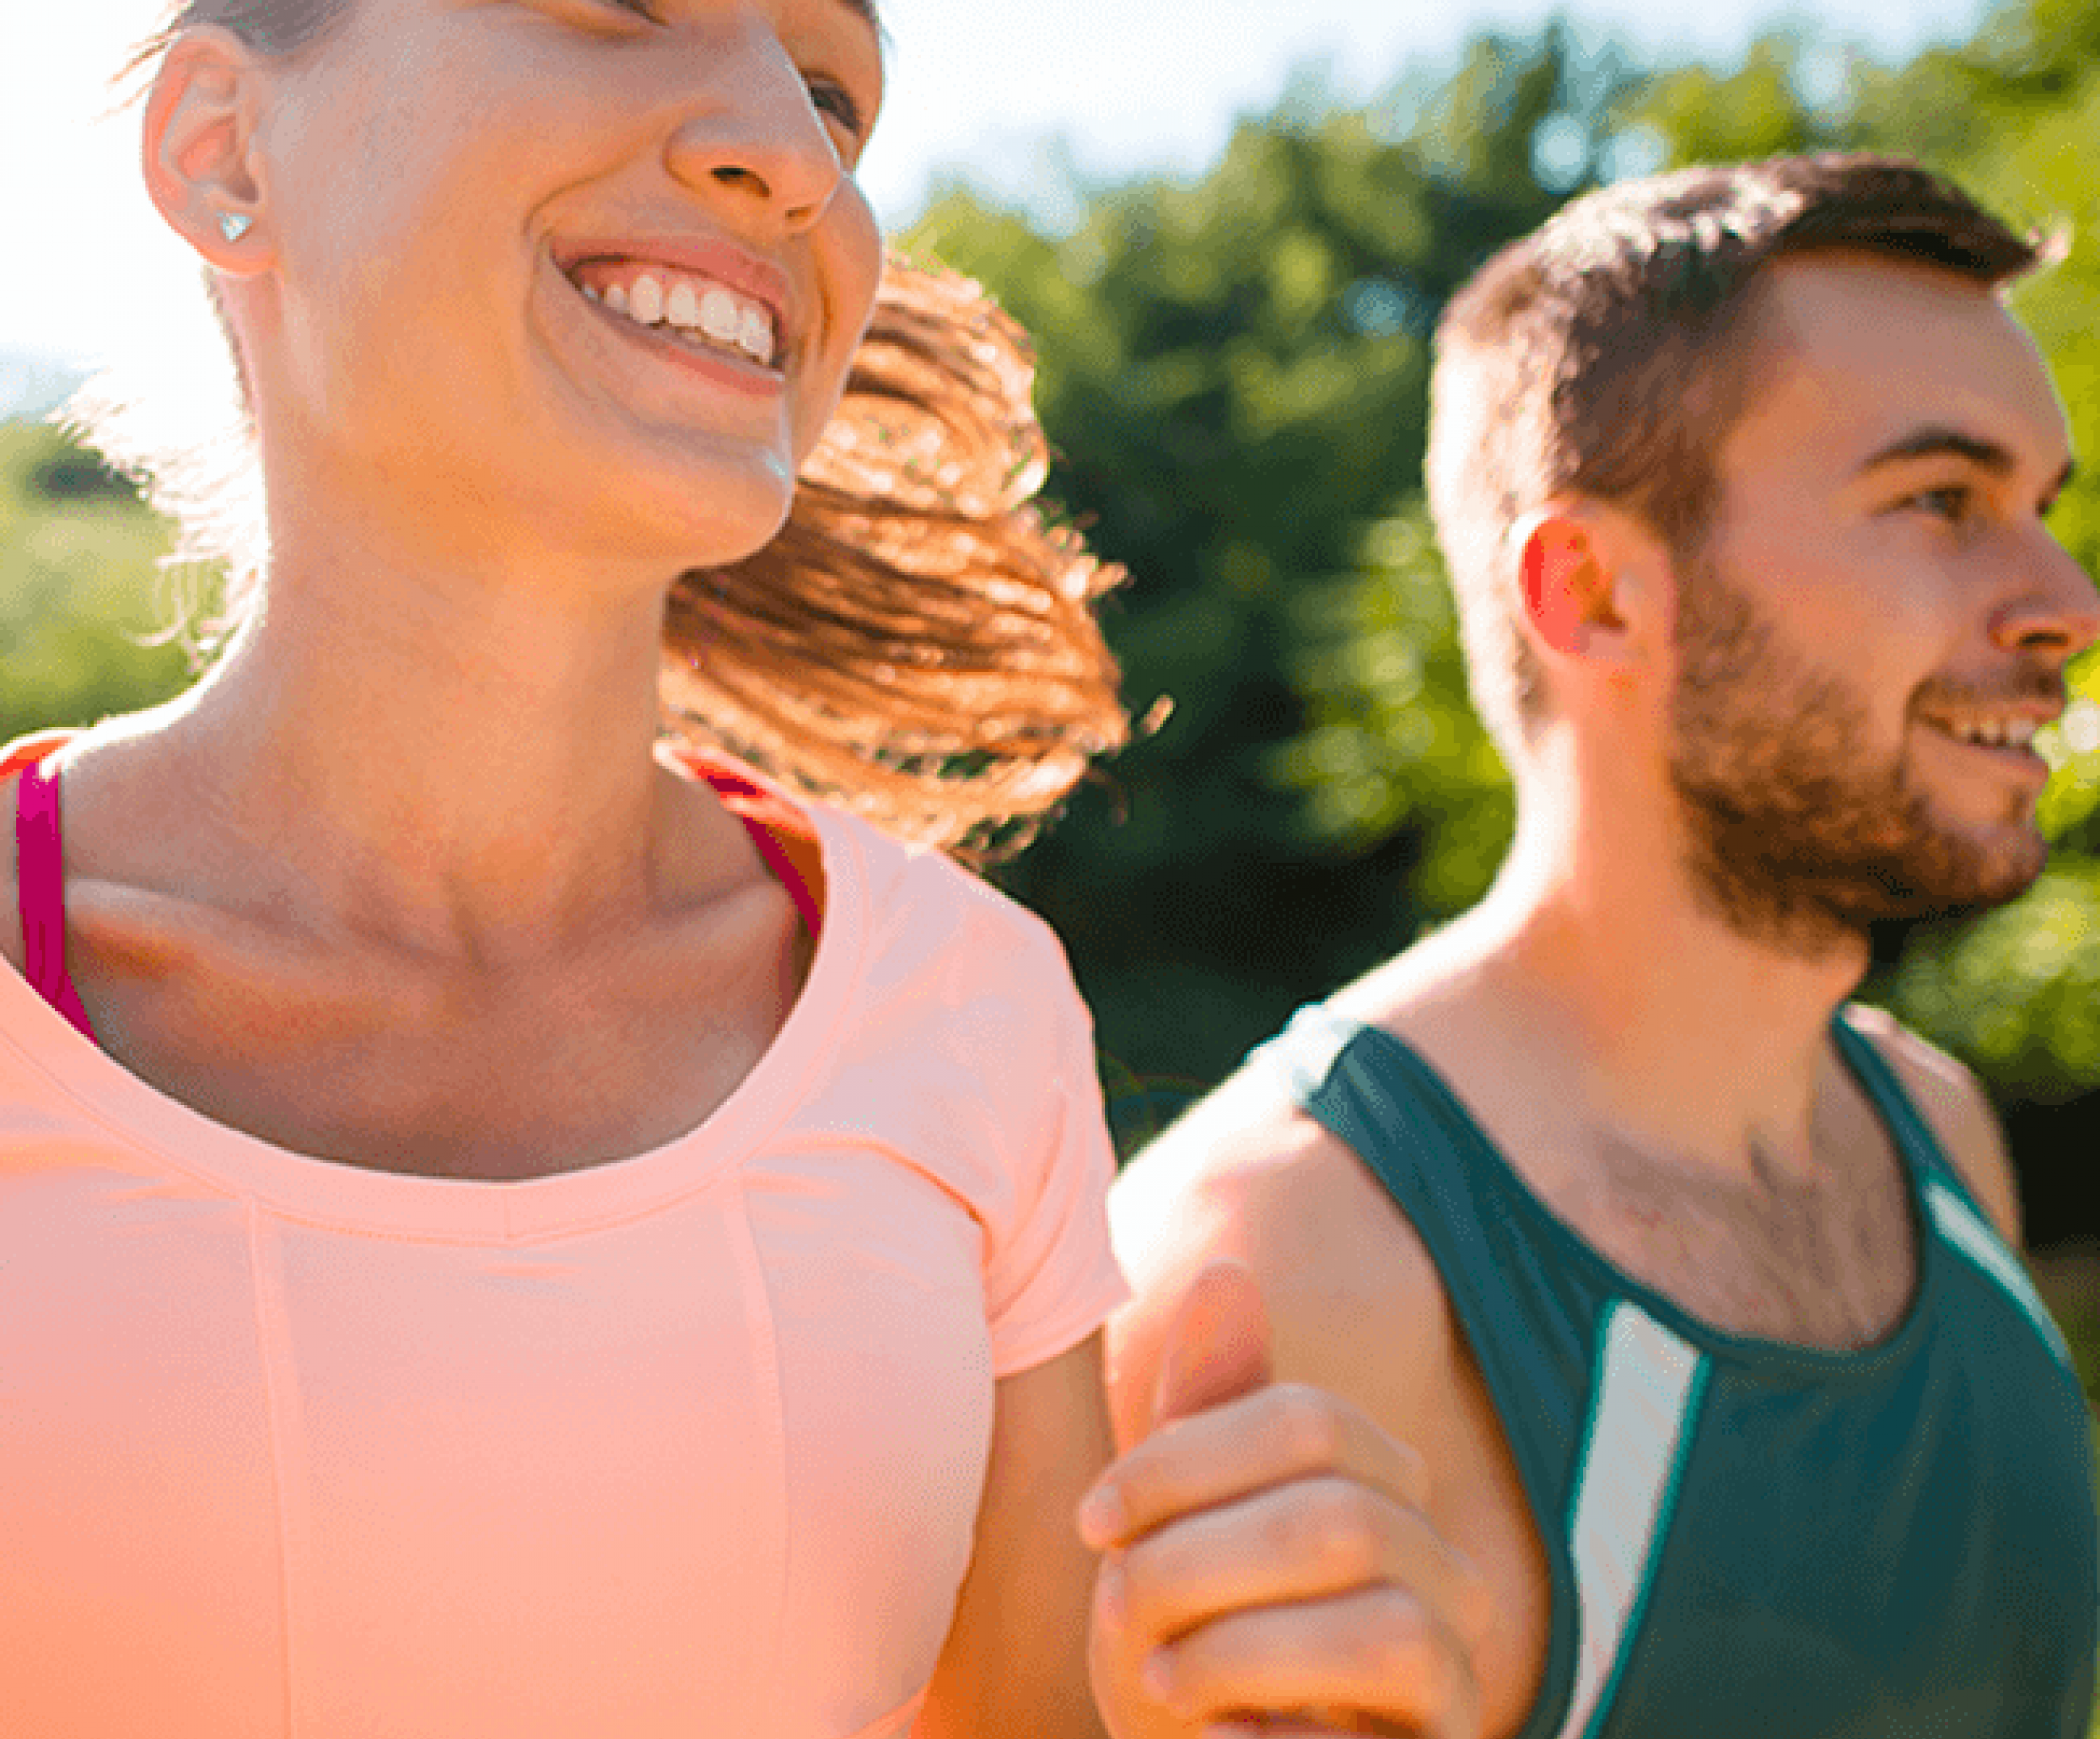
<point x="40" y="872"/>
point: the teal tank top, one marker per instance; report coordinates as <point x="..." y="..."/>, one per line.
<point x="1747" y="1537"/>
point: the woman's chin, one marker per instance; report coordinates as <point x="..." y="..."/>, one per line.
<point x="710" y="517"/>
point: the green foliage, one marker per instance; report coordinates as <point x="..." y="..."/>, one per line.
<point x="1803" y="88"/>
<point x="1392" y="746"/>
<point x="78" y="637"/>
<point x="1234" y="377"/>
<point x="2018" y="992"/>
<point x="1768" y="107"/>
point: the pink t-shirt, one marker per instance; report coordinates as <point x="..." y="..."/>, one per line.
<point x="686" y="1446"/>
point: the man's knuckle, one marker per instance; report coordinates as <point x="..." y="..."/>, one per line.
<point x="1307" y="1425"/>
<point x="1327" y="1525"/>
<point x="1349" y="1540"/>
<point x="1135" y="1473"/>
<point x="1357" y="1512"/>
<point x="1401" y="1645"/>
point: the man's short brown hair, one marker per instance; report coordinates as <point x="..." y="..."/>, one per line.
<point x="1606" y="354"/>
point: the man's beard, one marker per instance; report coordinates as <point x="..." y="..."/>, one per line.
<point x="1799" y="837"/>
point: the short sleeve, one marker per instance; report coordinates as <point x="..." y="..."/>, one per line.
<point x="1053" y="1279"/>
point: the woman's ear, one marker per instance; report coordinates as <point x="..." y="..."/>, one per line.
<point x="199" y="148"/>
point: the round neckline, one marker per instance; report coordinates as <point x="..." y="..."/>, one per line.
<point x="1754" y="1353"/>
<point x="342" y="1194"/>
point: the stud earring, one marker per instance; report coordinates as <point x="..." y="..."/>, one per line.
<point x="233" y="225"/>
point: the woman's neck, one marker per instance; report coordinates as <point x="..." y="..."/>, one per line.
<point x="460" y="763"/>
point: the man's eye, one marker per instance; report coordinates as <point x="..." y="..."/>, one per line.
<point x="1952" y="504"/>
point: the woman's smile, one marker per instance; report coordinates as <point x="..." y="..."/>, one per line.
<point x="676" y="356"/>
<point x="695" y="303"/>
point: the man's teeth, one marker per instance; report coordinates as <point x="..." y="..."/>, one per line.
<point x="715" y="314"/>
<point x="2002" y="733"/>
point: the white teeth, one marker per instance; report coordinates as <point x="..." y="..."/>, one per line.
<point x="723" y="317"/>
<point x="1998" y="733"/>
<point x="720" y="319"/>
<point x="756" y="339"/>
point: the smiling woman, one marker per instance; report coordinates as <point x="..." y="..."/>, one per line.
<point x="917" y="641"/>
<point x="520" y="1174"/>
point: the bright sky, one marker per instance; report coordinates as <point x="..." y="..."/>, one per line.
<point x="1127" y="84"/>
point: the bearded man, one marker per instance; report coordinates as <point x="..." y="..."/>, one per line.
<point x="1692" y="1284"/>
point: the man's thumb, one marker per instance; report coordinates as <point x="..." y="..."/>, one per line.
<point x="1218" y="1348"/>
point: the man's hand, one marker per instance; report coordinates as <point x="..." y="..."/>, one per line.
<point x="1268" y="1565"/>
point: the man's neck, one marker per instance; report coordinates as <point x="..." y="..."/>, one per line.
<point x="1622" y="997"/>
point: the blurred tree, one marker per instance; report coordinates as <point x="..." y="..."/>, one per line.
<point x="78" y="556"/>
<point x="1806" y="87"/>
<point x="1393" y="746"/>
<point x="1234" y="377"/>
<point x="1793" y="92"/>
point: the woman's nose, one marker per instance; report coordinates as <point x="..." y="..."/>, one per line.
<point x="754" y="134"/>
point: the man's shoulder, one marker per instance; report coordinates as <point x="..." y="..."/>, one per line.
<point x="1956" y="1106"/>
<point x="1355" y="1300"/>
<point x="1246" y="1165"/>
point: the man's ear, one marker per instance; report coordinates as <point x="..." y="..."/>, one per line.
<point x="199" y="149"/>
<point x="1590" y="588"/>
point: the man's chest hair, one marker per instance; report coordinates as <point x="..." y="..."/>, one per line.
<point x="1823" y="1258"/>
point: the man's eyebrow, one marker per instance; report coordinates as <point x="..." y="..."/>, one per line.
<point x="1985" y="454"/>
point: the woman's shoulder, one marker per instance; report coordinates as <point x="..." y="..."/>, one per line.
<point x="10" y="888"/>
<point x="16" y="758"/>
<point x="926" y="931"/>
<point x="915" y="893"/>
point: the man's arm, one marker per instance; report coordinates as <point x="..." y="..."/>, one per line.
<point x="1275" y="1551"/>
<point x="1247" y="1180"/>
